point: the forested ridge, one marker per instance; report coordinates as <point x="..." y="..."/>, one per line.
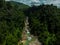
<point x="44" y="22"/>
<point x="11" y="23"/>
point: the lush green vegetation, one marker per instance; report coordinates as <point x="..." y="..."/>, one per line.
<point x="17" y="5"/>
<point x="44" y="22"/>
<point x="11" y="24"/>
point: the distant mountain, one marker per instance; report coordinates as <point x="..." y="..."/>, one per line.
<point x="18" y="5"/>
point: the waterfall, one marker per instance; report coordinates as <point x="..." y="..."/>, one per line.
<point x="27" y="38"/>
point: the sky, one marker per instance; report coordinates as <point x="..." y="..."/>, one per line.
<point x="28" y="2"/>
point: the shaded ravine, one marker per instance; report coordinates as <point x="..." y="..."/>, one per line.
<point x="27" y="38"/>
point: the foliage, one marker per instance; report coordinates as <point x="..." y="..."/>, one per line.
<point x="19" y="6"/>
<point x="11" y="24"/>
<point x="46" y="38"/>
<point x="44" y="22"/>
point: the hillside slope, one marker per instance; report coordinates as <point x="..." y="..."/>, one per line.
<point x="17" y="5"/>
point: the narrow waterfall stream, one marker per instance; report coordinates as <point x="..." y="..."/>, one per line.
<point x="26" y="34"/>
<point x="27" y="38"/>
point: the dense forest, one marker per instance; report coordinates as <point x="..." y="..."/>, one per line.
<point x="44" y="22"/>
<point x="11" y="23"/>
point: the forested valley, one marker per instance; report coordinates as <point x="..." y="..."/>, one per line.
<point x="44" y="22"/>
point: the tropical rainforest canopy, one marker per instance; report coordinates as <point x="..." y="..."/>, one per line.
<point x="44" y="22"/>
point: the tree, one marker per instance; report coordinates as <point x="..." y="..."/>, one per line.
<point x="11" y="26"/>
<point x="44" y="19"/>
<point x="2" y="3"/>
